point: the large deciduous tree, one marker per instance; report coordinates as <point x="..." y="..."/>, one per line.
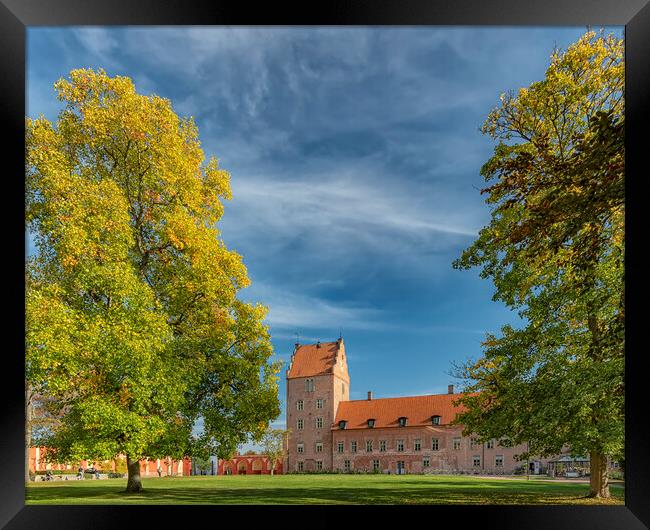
<point x="134" y="328"/>
<point x="555" y="251"/>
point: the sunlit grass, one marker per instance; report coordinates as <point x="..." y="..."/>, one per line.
<point x="319" y="489"/>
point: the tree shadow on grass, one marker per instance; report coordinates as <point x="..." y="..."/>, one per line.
<point x="452" y="492"/>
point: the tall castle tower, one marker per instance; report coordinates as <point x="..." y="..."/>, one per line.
<point x="317" y="381"/>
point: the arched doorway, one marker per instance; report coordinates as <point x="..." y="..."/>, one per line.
<point x="241" y="468"/>
<point x="257" y="466"/>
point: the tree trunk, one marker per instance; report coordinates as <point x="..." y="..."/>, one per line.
<point x="28" y="428"/>
<point x="133" y="483"/>
<point x="598" y="480"/>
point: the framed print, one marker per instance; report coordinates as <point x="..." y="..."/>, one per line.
<point x="372" y="253"/>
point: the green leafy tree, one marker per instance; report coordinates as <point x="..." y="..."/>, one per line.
<point x="273" y="445"/>
<point x="134" y="328"/>
<point x="554" y="250"/>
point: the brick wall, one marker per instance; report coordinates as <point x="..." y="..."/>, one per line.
<point x="445" y="459"/>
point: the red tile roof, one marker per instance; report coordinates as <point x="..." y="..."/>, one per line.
<point x="387" y="411"/>
<point x="312" y="359"/>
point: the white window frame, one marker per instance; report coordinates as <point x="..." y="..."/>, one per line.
<point x="399" y="446"/>
<point x="474" y="459"/>
<point x="417" y="444"/>
<point x="435" y="444"/>
<point x="353" y="446"/>
<point x="319" y="423"/>
<point x="300" y="404"/>
<point x="300" y="447"/>
<point x="382" y="446"/>
<point x="319" y="447"/>
<point x="300" y="424"/>
<point x="319" y="403"/>
<point x="457" y="443"/>
<point x="498" y="458"/>
<point x="368" y="446"/>
<point x="340" y="447"/>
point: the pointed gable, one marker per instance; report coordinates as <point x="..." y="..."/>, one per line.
<point x="387" y="411"/>
<point x="314" y="359"/>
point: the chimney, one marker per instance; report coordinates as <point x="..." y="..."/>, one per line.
<point x="450" y="389"/>
<point x="369" y="395"/>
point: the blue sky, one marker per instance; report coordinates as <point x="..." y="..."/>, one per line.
<point x="354" y="155"/>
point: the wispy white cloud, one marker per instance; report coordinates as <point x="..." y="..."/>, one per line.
<point x="349" y="206"/>
<point x="97" y="40"/>
<point x="294" y="311"/>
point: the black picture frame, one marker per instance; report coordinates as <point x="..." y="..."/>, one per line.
<point x="17" y="15"/>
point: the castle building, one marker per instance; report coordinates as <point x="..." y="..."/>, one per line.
<point x="330" y="432"/>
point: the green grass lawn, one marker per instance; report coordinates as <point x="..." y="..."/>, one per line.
<point x="318" y="489"/>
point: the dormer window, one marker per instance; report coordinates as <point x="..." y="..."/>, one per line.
<point x="435" y="420"/>
<point x="343" y="424"/>
<point x="371" y="423"/>
<point x="402" y="421"/>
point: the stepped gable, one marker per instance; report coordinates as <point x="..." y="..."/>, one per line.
<point x="313" y="359"/>
<point x="387" y="411"/>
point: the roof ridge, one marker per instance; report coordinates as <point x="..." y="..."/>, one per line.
<point x="406" y="397"/>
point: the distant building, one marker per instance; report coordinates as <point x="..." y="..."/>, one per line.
<point x="330" y="432"/>
<point x="148" y="466"/>
<point x="248" y="465"/>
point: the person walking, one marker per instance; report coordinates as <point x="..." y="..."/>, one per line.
<point x="80" y="473"/>
<point x="159" y="471"/>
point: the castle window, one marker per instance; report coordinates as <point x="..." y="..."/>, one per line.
<point x="400" y="445"/>
<point x="339" y="447"/>
<point x="309" y="385"/>
<point x="300" y="424"/>
<point x="375" y="465"/>
<point x="472" y="443"/>
<point x="319" y="465"/>
<point x="346" y="465"/>
<point x="426" y="462"/>
<point x="402" y="421"/>
<point x="435" y="420"/>
<point x="300" y="404"/>
<point x="456" y="443"/>
<point x="301" y="448"/>
<point x="319" y="403"/>
<point x="319" y="423"/>
<point x="319" y="447"/>
<point x="498" y="460"/>
<point x="382" y="446"/>
<point x="369" y="446"/>
<point x="342" y="424"/>
<point x="476" y="460"/>
<point x="371" y="423"/>
<point x="490" y="444"/>
<point x="434" y="444"/>
<point x="353" y="446"/>
<point x="417" y="445"/>
<point x="300" y="466"/>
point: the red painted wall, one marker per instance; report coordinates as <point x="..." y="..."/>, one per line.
<point x="248" y="465"/>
